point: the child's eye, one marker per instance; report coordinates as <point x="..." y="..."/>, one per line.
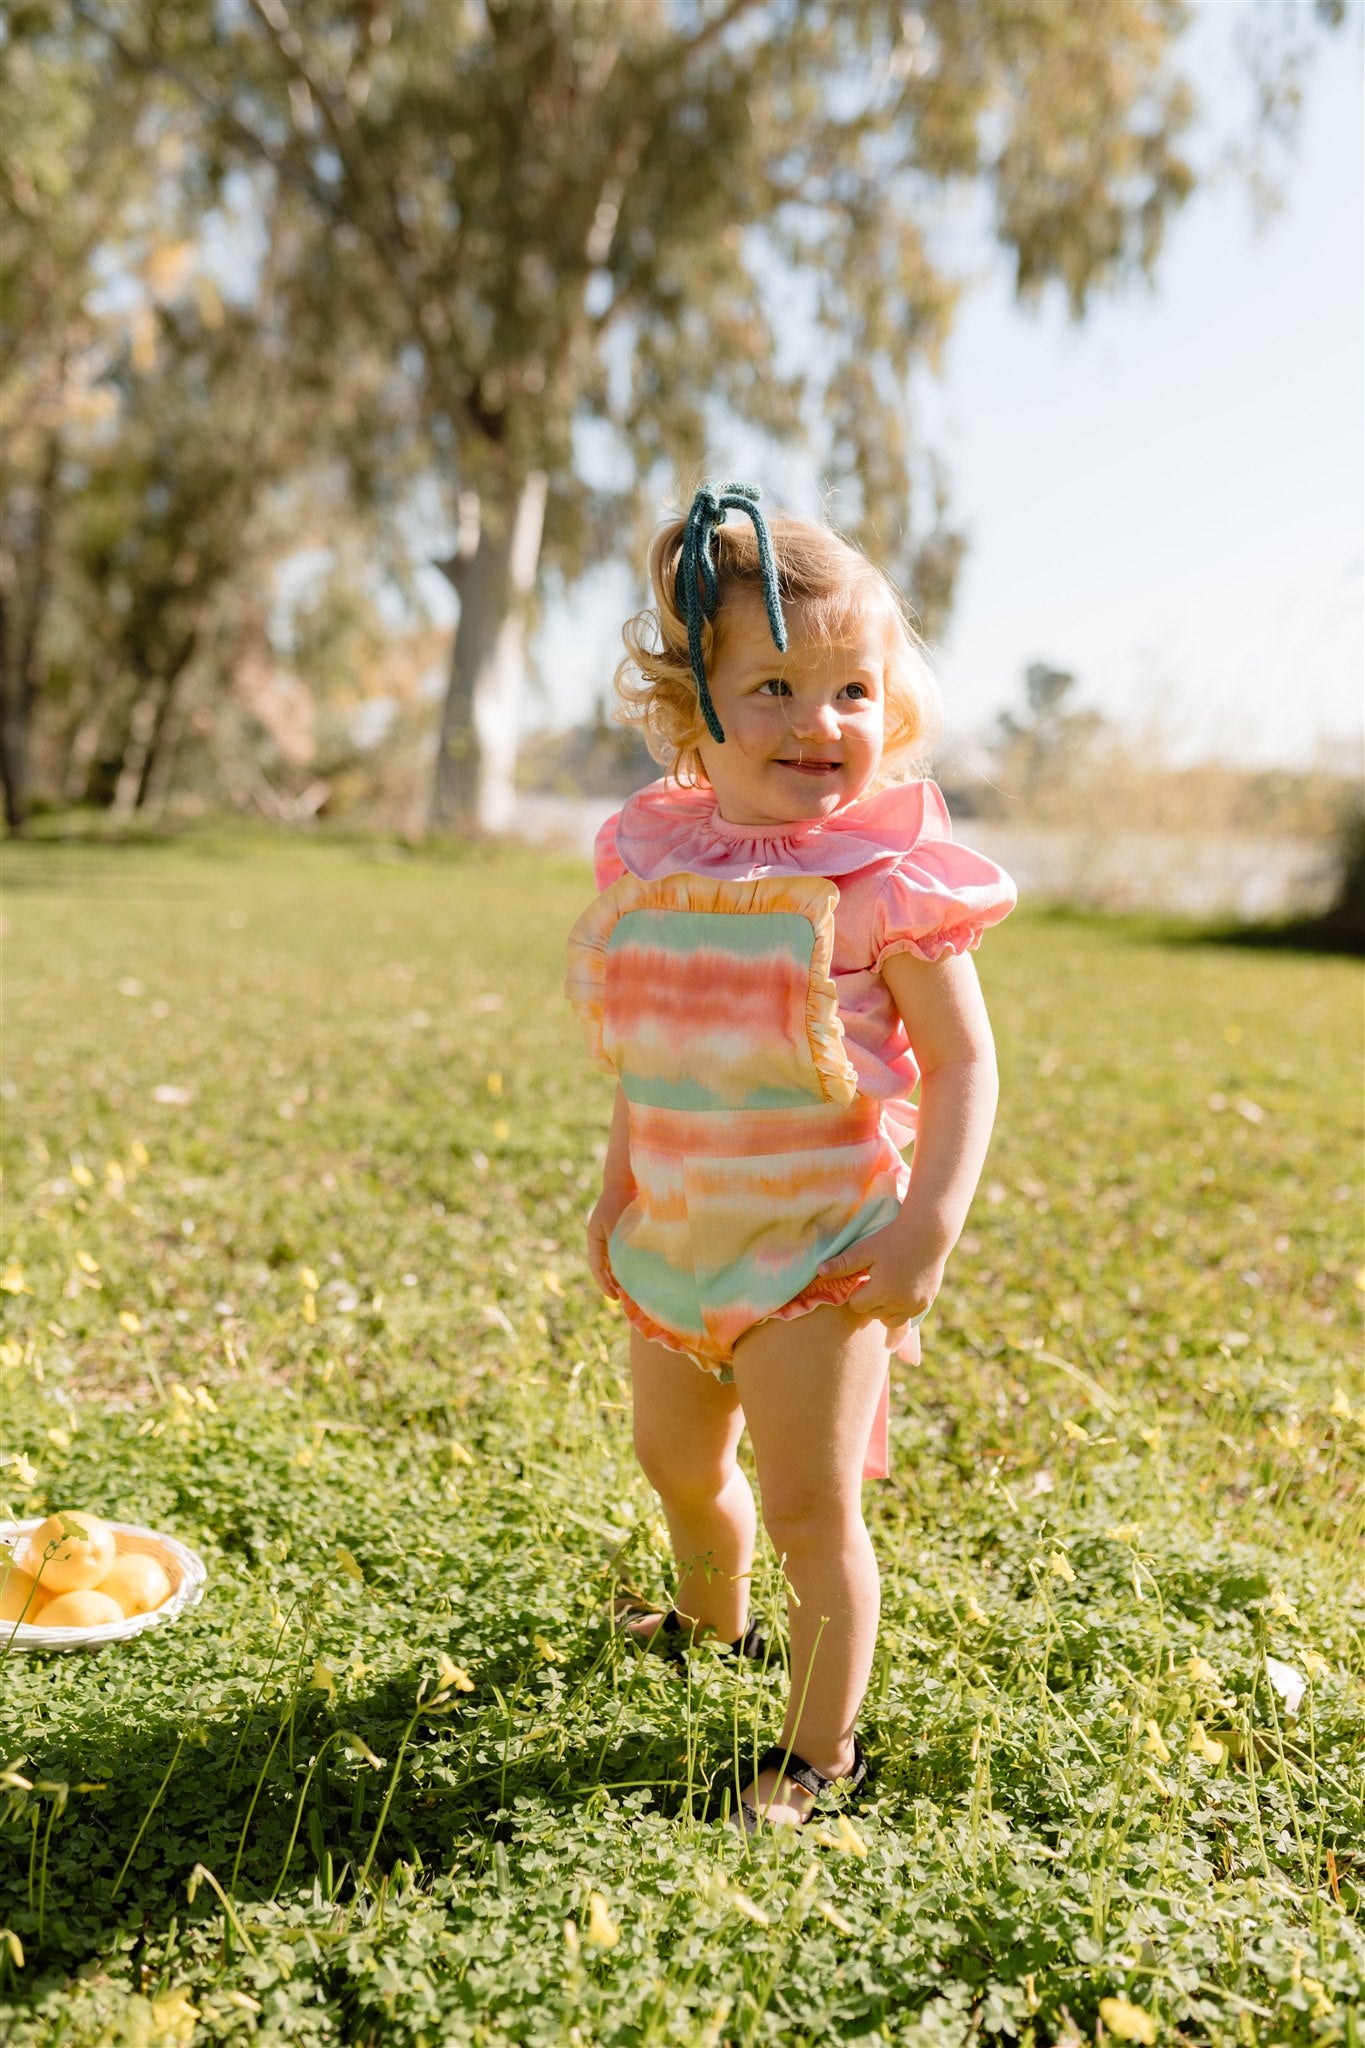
<point x="856" y="690"/>
<point x="774" y="686"/>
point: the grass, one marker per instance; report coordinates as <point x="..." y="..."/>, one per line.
<point x="299" y="1141"/>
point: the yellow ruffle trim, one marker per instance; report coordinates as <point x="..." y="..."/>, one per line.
<point x="809" y="896"/>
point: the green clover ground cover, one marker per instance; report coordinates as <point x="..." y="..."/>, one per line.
<point x="299" y="1140"/>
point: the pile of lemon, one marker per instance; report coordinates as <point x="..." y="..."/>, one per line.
<point x="68" y="1574"/>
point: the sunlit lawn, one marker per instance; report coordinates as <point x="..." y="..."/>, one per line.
<point x="299" y="1140"/>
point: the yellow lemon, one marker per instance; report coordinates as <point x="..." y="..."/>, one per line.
<point x="81" y="1609"/>
<point x="79" y="1562"/>
<point x="17" y="1598"/>
<point x="138" y="1582"/>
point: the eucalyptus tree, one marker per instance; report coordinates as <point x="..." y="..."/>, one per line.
<point x="72" y="166"/>
<point x="655" y="213"/>
<point x="224" y="452"/>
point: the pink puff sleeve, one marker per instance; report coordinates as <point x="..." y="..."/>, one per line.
<point x="608" y="866"/>
<point x="939" y="897"/>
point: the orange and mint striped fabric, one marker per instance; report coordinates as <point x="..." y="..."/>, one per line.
<point x="754" y="1156"/>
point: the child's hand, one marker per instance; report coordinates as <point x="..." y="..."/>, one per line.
<point x="603" y="1220"/>
<point x="902" y="1278"/>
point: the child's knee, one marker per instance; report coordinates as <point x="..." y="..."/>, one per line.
<point x="798" y="1519"/>
<point x="674" y="1470"/>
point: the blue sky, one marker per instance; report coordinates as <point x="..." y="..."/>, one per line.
<point x="1166" y="499"/>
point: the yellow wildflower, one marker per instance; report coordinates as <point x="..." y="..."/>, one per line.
<point x="742" y="1903"/>
<point x="174" y="2017"/>
<point x="603" y="1931"/>
<point x="848" y="1838"/>
<point x="1128" y="2022"/>
<point x="1322" y="2004"/>
<point x="1059" y="1567"/>
<point x="1156" y="1744"/>
<point x="1203" y="1744"/>
<point x="451" y="1675"/>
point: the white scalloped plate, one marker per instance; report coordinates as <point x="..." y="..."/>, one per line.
<point x="182" y="1567"/>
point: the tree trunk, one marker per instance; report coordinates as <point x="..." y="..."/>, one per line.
<point x="85" y="738"/>
<point x="21" y="638"/>
<point x="13" y="769"/>
<point x="493" y="573"/>
<point x="161" y="753"/>
<point x="141" y="726"/>
<point x="152" y="725"/>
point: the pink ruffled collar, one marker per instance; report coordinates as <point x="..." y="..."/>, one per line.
<point x="666" y="829"/>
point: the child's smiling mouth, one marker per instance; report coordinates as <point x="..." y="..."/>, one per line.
<point x="811" y="767"/>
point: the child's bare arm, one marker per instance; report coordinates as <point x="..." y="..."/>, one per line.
<point x="945" y="1019"/>
<point x="618" y="1189"/>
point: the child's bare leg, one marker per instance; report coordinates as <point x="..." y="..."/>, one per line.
<point x="687" y="1430"/>
<point x="810" y="1388"/>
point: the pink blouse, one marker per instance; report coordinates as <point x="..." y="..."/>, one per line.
<point x="905" y="886"/>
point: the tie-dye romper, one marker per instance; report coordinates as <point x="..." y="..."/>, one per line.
<point x="731" y="985"/>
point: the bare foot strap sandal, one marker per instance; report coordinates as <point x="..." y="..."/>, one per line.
<point x="678" y="1634"/>
<point x="807" y="1777"/>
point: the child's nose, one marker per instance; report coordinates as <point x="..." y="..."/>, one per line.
<point x="815" y="720"/>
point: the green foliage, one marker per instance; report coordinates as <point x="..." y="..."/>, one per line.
<point x="593" y="209"/>
<point x="360" y="1367"/>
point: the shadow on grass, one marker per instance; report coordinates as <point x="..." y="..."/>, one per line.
<point x="1332" y="933"/>
<point x="274" y="1804"/>
<point x="1342" y="934"/>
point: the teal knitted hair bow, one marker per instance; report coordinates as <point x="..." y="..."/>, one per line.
<point x="696" y="589"/>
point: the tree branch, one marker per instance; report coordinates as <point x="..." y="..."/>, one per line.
<point x="151" y="65"/>
<point x="713" y="29"/>
<point x="387" y="232"/>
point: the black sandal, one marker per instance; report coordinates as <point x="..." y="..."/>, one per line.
<point x="751" y="1644"/>
<point x="808" y="1778"/>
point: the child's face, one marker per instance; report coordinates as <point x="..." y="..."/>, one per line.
<point x="804" y="729"/>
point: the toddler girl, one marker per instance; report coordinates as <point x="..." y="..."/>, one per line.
<point x="780" y="952"/>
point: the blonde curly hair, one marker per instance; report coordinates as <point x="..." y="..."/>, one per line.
<point x="831" y="583"/>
